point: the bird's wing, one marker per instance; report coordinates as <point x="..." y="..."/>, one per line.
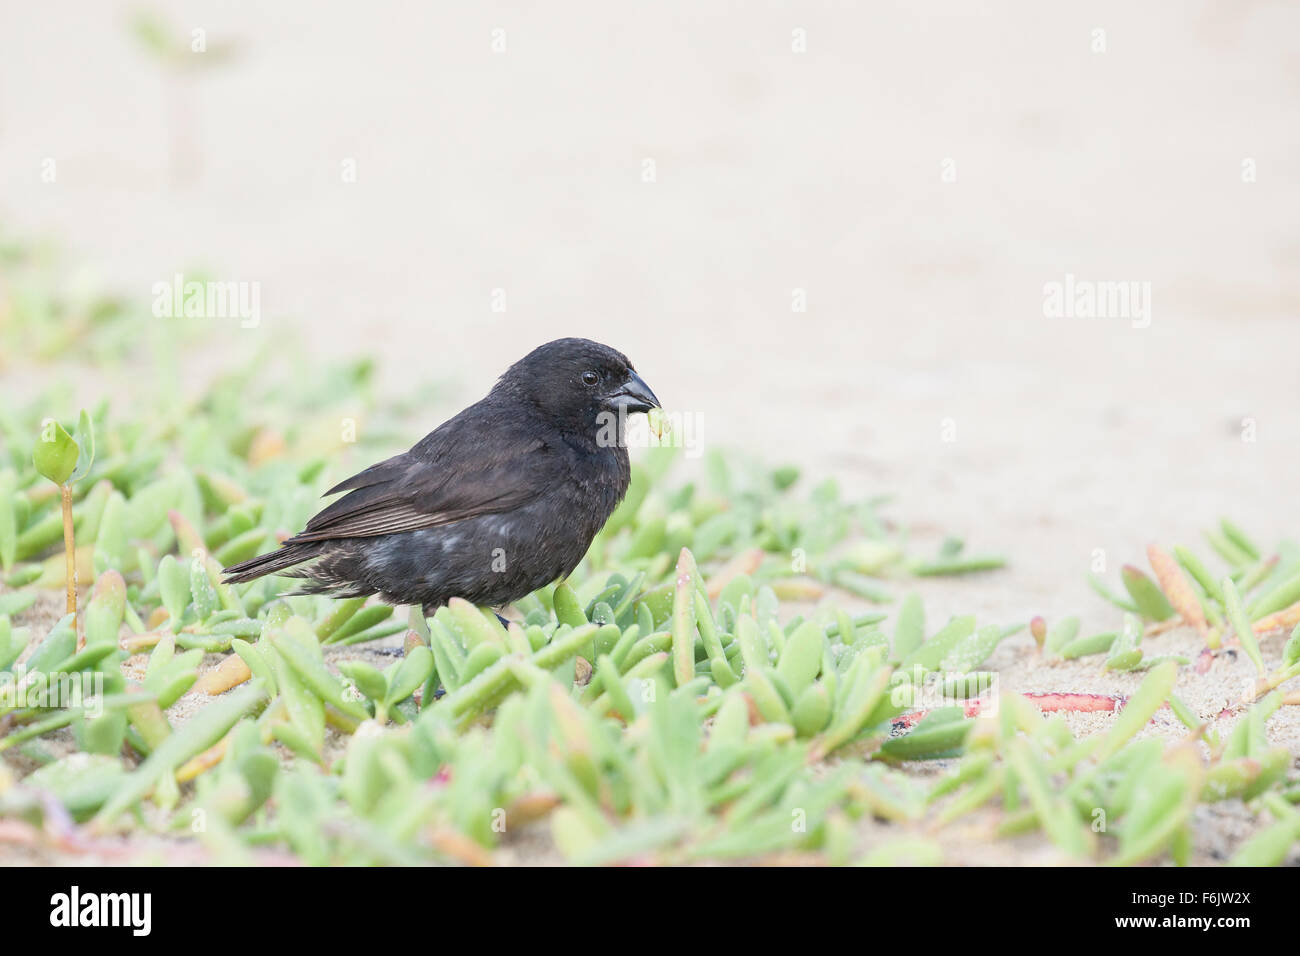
<point x="384" y="471"/>
<point x="411" y="491"/>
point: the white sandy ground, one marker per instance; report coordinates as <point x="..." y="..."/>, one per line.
<point x="775" y="171"/>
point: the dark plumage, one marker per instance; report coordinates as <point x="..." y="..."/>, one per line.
<point x="490" y="506"/>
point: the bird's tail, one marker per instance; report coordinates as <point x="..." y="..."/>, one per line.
<point x="271" y="563"/>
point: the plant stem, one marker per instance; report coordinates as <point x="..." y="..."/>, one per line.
<point x="69" y="548"/>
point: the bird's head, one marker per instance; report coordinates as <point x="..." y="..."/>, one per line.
<point x="577" y="381"/>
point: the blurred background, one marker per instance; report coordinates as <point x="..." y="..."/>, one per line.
<point x="822" y="228"/>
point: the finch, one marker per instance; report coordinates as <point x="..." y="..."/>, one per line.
<point x="491" y="505"/>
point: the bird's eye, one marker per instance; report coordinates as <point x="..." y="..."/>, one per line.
<point x="590" y="378"/>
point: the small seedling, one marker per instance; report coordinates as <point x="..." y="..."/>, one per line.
<point x="65" y="459"/>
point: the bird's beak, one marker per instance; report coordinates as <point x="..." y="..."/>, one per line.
<point x="635" y="395"/>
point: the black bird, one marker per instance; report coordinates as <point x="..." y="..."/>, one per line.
<point x="491" y="505"/>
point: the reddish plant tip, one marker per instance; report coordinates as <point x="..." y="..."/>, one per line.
<point x="1038" y="629"/>
<point x="1080" y="703"/>
<point x="1048" y="702"/>
<point x="970" y="708"/>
